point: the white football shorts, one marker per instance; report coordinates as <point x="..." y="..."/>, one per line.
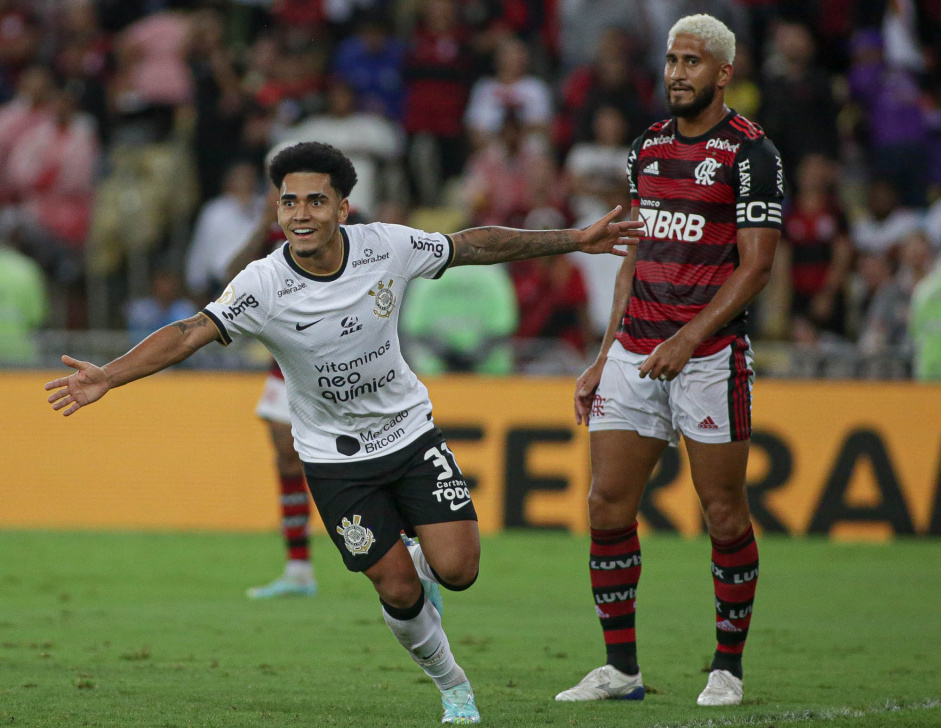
<point x="273" y="404"/>
<point x="709" y="401"/>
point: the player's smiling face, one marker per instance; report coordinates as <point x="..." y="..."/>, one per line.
<point x="692" y="76"/>
<point x="310" y="212"/>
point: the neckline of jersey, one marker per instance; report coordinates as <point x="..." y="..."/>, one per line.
<point x="286" y="250"/>
<point x="706" y="134"/>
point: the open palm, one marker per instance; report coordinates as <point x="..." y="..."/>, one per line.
<point x="87" y="385"/>
<point x="602" y="235"/>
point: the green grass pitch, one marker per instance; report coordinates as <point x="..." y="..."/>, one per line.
<point x="127" y="629"/>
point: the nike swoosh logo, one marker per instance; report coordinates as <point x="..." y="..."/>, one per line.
<point x="455" y="506"/>
<point x="430" y="654"/>
<point x="307" y="326"/>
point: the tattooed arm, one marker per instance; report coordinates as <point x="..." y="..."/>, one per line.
<point x="163" y="348"/>
<point x="485" y="245"/>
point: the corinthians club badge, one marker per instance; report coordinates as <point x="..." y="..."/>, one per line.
<point x="385" y="300"/>
<point x="357" y="539"/>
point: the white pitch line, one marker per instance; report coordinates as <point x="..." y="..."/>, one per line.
<point x="804" y="716"/>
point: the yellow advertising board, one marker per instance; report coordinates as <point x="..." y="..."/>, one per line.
<point x="183" y="450"/>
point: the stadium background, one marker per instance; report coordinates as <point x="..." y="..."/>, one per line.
<point x="129" y="533"/>
<point x="148" y="123"/>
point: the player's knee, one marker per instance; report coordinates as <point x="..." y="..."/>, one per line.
<point x="399" y="589"/>
<point x="606" y="509"/>
<point x="726" y="518"/>
<point x="459" y="574"/>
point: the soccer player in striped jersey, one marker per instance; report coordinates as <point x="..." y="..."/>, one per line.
<point x="326" y="305"/>
<point x="676" y="359"/>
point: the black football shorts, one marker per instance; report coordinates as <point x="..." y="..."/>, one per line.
<point x="365" y="505"/>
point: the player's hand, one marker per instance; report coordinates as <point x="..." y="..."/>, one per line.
<point x="87" y="385"/>
<point x="667" y="360"/>
<point x="585" y="387"/>
<point x="604" y="234"/>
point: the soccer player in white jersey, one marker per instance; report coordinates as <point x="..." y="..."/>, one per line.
<point x="326" y="305"/>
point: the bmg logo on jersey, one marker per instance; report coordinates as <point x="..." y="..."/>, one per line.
<point x="350" y="325"/>
<point x="425" y="244"/>
<point x="673" y="225"/>
<point x="241" y="304"/>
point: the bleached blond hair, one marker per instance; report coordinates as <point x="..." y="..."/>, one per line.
<point x="716" y="36"/>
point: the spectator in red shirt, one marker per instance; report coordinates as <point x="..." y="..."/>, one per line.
<point x="49" y="174"/>
<point x="23" y="112"/>
<point x="817" y="236"/>
<point x="553" y="301"/>
<point x="19" y="43"/>
<point x="437" y="69"/>
<point x="611" y="80"/>
<point x="499" y="180"/>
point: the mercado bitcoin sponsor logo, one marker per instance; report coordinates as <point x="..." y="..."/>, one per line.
<point x="385" y="435"/>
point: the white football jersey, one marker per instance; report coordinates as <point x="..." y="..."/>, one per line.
<point x="336" y="339"/>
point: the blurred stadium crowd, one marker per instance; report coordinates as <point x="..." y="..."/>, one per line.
<point x="133" y="135"/>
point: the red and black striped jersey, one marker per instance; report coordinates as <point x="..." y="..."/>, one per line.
<point x="694" y="193"/>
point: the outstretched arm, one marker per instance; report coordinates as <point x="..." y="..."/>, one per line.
<point x="485" y="245"/>
<point x="587" y="383"/>
<point x="163" y="348"/>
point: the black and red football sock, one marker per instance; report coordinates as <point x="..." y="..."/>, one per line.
<point x="295" y="517"/>
<point x="735" y="575"/>
<point x="615" y="570"/>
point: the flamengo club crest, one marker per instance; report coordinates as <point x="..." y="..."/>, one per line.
<point x="706" y="171"/>
<point x="385" y="300"/>
<point x="357" y="539"/>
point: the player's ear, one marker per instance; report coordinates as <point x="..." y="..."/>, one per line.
<point x="344" y="211"/>
<point x="725" y="75"/>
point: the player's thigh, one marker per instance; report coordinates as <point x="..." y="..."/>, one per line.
<point x="621" y="464"/>
<point x="273" y="402"/>
<point x="358" y="511"/>
<point x="718" y="473"/>
<point x="711" y="398"/>
<point x="626" y="402"/>
<point x="281" y="437"/>
<point x="394" y="577"/>
<point x="452" y="549"/>
<point x="433" y="498"/>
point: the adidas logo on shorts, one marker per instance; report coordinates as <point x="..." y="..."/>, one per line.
<point x="708" y="424"/>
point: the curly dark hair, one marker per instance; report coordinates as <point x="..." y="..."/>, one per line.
<point x="315" y="157"/>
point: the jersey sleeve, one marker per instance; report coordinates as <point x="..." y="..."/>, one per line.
<point x="421" y="254"/>
<point x="632" y="159"/>
<point x="759" y="183"/>
<point x="243" y="306"/>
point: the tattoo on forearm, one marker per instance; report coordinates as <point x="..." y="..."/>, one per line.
<point x="480" y="246"/>
<point x="195" y="322"/>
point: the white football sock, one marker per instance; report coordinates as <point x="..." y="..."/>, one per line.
<point x="426" y="642"/>
<point x="299" y="570"/>
<point x="421" y="563"/>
